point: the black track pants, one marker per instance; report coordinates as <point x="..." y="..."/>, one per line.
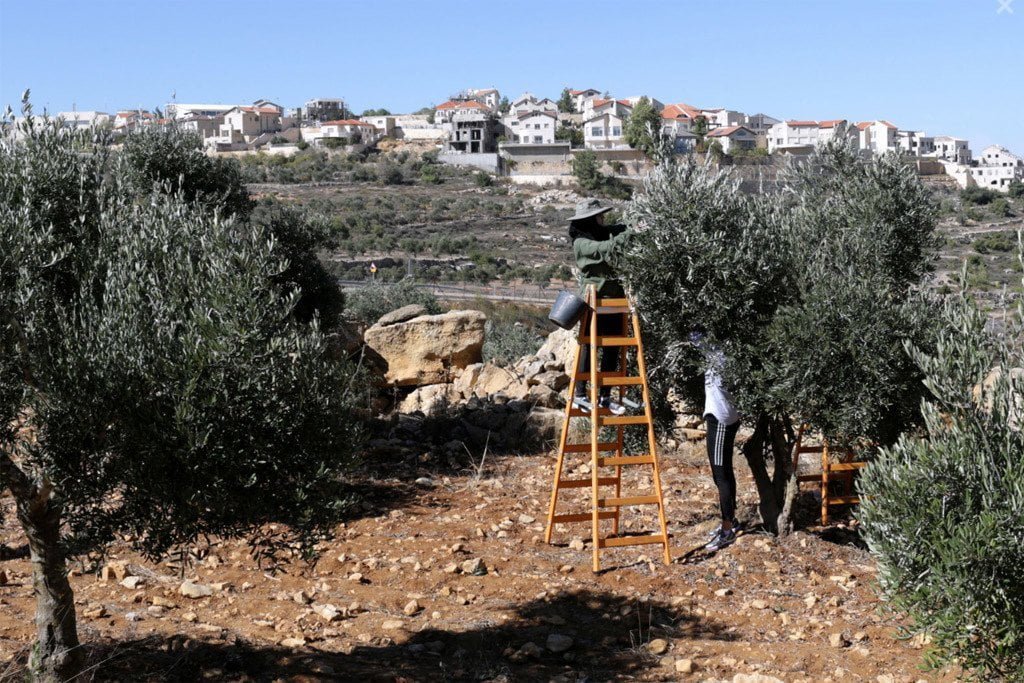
<point x="720" y="446"/>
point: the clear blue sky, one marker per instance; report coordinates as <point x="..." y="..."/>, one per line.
<point x="944" y="66"/>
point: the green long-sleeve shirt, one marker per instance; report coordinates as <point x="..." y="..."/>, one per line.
<point x="597" y="259"/>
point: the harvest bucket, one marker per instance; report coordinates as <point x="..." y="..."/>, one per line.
<point x="566" y="310"/>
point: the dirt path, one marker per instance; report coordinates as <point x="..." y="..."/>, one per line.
<point x="799" y="609"/>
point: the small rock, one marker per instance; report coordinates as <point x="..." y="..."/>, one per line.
<point x="293" y="642"/>
<point x="576" y="544"/>
<point x="722" y="592"/>
<point x="190" y="617"/>
<point x="526" y="519"/>
<point x="302" y="597"/>
<point x="685" y="666"/>
<point x="392" y="624"/>
<point x="132" y="582"/>
<point x="97" y="612"/>
<point x="194" y="590"/>
<point x="156" y="610"/>
<point x="838" y="640"/>
<point x="658" y="646"/>
<point x="328" y="612"/>
<point x="411" y="608"/>
<point x="425" y="481"/>
<point x="475" y="567"/>
<point x="161" y="601"/>
<point x="759" y="604"/>
<point x="531" y="649"/>
<point x="566" y="568"/>
<point x="132" y="616"/>
<point x="559" y="643"/>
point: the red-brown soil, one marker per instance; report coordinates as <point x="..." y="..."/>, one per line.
<point x="764" y="606"/>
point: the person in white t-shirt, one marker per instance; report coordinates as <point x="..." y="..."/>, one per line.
<point x="723" y="421"/>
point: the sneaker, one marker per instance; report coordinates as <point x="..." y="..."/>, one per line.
<point x="581" y="402"/>
<point x="718" y="529"/>
<point x="723" y="539"/>
<point x="633" y="404"/>
<point x="615" y="407"/>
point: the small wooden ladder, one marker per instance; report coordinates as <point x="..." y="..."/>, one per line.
<point x="604" y="507"/>
<point x="843" y="470"/>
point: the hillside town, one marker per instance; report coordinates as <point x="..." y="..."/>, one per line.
<point x="533" y="138"/>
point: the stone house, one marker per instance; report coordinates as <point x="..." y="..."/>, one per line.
<point x="734" y="138"/>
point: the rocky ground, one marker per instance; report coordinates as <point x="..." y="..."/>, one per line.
<point x="442" y="574"/>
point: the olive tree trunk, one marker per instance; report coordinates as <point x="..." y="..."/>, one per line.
<point x="57" y="654"/>
<point x="776" y="490"/>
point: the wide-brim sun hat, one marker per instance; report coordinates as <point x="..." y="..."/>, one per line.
<point x="588" y="208"/>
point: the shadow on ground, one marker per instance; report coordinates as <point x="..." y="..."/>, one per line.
<point x="609" y="634"/>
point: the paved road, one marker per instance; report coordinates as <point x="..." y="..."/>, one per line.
<point x="519" y="294"/>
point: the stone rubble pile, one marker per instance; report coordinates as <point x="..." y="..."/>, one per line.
<point x="433" y="367"/>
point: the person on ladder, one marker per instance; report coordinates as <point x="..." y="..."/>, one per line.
<point x="723" y="421"/>
<point x="596" y="247"/>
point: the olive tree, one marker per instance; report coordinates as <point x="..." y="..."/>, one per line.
<point x="810" y="292"/>
<point x="154" y="381"/>
<point x="944" y="511"/>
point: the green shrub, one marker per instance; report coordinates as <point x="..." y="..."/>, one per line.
<point x="505" y="342"/>
<point x="369" y="303"/>
<point x="1000" y="208"/>
<point x="482" y="179"/>
<point x="390" y="173"/>
<point x="1016" y="189"/>
<point x="944" y="513"/>
<point x="979" y="196"/>
<point x="302" y="145"/>
<point x="995" y="241"/>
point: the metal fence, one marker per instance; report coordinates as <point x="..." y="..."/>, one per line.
<point x="525" y="294"/>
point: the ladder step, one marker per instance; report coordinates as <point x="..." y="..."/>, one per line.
<point x="809" y="477"/>
<point x="585" y="447"/>
<point x="845" y="466"/>
<point x="584" y="483"/>
<point x="844" y="500"/>
<point x="576" y="412"/>
<point x="611" y="341"/>
<point x="810" y="449"/>
<point x="610" y="380"/>
<point x="626" y="460"/>
<point x="608" y="310"/>
<point x="629" y="540"/>
<point x="613" y="302"/>
<point x="633" y="500"/>
<point x="582" y="517"/>
<point x="623" y="420"/>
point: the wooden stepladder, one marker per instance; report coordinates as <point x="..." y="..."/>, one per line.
<point x="840" y="472"/>
<point x="604" y="455"/>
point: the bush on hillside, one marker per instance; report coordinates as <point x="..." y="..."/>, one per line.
<point x="368" y="304"/>
<point x="945" y="513"/>
<point x="506" y="341"/>
<point x="979" y="196"/>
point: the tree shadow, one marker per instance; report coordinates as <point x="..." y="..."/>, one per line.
<point x="608" y="636"/>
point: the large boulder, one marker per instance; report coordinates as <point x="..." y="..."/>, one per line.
<point x="428" y="349"/>
<point x="559" y="348"/>
<point x="493" y="379"/>
<point x="433" y="399"/>
<point x="400" y="315"/>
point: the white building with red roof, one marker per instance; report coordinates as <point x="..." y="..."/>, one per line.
<point x="801" y="137"/>
<point x="877" y="137"/>
<point x="604" y="125"/>
<point x="581" y="98"/>
<point x="734" y="138"/>
<point x="446" y="111"/>
<point x="532" y="127"/>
